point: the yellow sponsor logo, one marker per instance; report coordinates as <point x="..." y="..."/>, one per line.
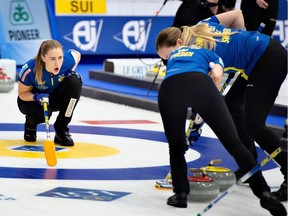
<point x="80" y="7"/>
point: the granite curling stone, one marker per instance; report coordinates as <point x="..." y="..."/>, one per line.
<point x="202" y="187"/>
<point x="223" y="176"/>
<point x="6" y="83"/>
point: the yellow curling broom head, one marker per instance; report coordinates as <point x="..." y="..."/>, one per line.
<point x="50" y="153"/>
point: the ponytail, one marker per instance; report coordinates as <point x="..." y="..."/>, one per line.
<point x="199" y="35"/>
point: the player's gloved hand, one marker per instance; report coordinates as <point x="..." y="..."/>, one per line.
<point x="40" y="97"/>
<point x="195" y="133"/>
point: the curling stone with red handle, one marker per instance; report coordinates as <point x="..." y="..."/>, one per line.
<point x="6" y="83"/>
<point x="202" y="187"/>
<point x="223" y="176"/>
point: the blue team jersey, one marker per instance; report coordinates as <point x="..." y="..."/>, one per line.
<point x="191" y="59"/>
<point x="49" y="81"/>
<point x="241" y="50"/>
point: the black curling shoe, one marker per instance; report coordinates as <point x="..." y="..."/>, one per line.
<point x="281" y="194"/>
<point x="178" y="200"/>
<point x="272" y="204"/>
<point x="63" y="139"/>
<point x="30" y="134"/>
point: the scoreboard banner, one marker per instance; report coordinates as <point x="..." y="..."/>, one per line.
<point x="75" y="7"/>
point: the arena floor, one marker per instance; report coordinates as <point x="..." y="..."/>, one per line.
<point x="119" y="154"/>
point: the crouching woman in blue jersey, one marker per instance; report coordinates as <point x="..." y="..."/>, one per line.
<point x="50" y="74"/>
<point x="187" y="84"/>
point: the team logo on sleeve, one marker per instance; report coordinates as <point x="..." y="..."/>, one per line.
<point x="61" y="78"/>
<point x="24" y="75"/>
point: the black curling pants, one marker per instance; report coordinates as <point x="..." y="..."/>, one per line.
<point x="197" y="90"/>
<point x="59" y="100"/>
<point x="254" y="15"/>
<point x="250" y="102"/>
<point x="190" y="12"/>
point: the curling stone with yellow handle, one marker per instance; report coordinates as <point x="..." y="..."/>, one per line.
<point x="202" y="187"/>
<point x="223" y="176"/>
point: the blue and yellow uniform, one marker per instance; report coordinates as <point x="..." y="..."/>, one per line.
<point x="49" y="81"/>
<point x="188" y="59"/>
<point x="246" y="47"/>
<point x="64" y="91"/>
<point x="263" y="62"/>
<point x="248" y="101"/>
<point x="188" y="84"/>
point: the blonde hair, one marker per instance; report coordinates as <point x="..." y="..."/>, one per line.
<point x="43" y="50"/>
<point x="199" y="35"/>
